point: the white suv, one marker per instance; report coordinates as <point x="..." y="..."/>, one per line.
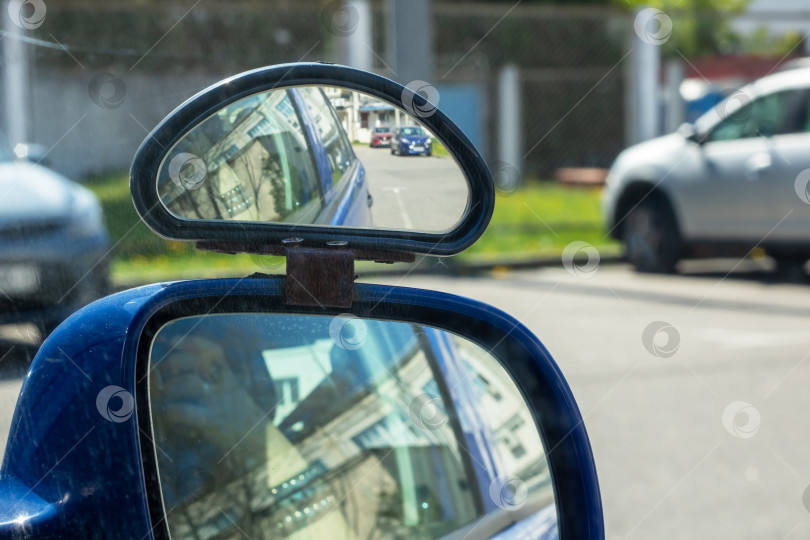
<point x="735" y="180"/>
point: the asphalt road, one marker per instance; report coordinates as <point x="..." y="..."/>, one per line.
<point x="18" y="345"/>
<point x="668" y="466"/>
<point x="427" y="194"/>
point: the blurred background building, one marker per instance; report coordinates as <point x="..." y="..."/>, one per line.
<point x="537" y="85"/>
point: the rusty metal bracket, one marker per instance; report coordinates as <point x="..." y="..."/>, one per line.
<point x="376" y="255"/>
<point x="317" y="275"/>
<point x="322" y="277"/>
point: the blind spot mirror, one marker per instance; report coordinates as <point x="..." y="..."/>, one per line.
<point x="314" y="151"/>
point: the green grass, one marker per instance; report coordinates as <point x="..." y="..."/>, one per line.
<point x="439" y="149"/>
<point x="540" y="219"/>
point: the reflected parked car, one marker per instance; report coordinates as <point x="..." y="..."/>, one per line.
<point x="53" y="245"/>
<point x="410" y="141"/>
<point x="381" y="137"/>
<point x="735" y="180"/>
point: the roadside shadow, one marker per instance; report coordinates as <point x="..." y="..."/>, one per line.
<point x="762" y="271"/>
<point x="16" y="358"/>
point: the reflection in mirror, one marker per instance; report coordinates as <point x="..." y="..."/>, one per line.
<point x="314" y="156"/>
<point x="299" y="426"/>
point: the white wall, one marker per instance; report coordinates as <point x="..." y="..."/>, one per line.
<point x="85" y="138"/>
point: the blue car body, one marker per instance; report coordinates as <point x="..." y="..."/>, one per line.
<point x="67" y="471"/>
<point x="346" y="203"/>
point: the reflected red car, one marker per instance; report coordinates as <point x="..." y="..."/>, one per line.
<point x="381" y="137"/>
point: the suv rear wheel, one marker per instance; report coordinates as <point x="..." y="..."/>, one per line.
<point x="651" y="239"/>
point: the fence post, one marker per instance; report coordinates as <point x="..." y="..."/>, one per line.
<point x="674" y="112"/>
<point x="359" y="41"/>
<point x="15" y="84"/>
<point x="644" y="87"/>
<point x="409" y="40"/>
<point x="510" y="134"/>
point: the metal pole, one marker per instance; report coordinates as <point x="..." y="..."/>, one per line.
<point x="359" y="51"/>
<point x="15" y="83"/>
<point x="410" y="44"/>
<point x="648" y="69"/>
<point x="510" y="145"/>
<point x="675" y="110"/>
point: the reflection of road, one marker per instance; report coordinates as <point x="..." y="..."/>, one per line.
<point x="415" y="192"/>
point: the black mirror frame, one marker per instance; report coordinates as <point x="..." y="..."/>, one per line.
<point x="143" y="184"/>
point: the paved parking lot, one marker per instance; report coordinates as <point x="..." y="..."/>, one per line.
<point x="413" y="192"/>
<point x="678" y="451"/>
<point x="699" y="430"/>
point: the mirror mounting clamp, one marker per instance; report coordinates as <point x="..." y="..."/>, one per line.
<point x="322" y="277"/>
<point x="316" y="276"/>
<point x="383" y="256"/>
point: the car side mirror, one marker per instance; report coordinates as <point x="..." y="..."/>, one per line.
<point x="306" y="405"/>
<point x="276" y="414"/>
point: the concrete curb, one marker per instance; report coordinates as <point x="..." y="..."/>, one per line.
<point x="439" y="266"/>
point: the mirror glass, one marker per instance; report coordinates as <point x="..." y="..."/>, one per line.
<point x="311" y="155"/>
<point x="302" y="426"/>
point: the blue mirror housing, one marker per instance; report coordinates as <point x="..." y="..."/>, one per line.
<point x="82" y="460"/>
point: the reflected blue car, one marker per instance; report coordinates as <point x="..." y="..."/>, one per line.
<point x="411" y="141"/>
<point x="344" y="189"/>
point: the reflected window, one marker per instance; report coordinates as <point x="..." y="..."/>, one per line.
<point x="413" y="130"/>
<point x="251" y="162"/>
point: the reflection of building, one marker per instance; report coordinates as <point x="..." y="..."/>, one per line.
<point x="348" y="455"/>
<point x="360" y="113"/>
<point x="247" y="164"/>
<point x="359" y="426"/>
<point x="505" y="414"/>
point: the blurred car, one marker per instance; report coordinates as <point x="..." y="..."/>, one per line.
<point x="53" y="245"/>
<point x="381" y="137"/>
<point x="411" y="140"/>
<point x="735" y="180"/>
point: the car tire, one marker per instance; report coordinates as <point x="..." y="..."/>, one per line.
<point x="651" y="239"/>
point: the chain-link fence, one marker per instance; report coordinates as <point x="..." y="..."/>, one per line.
<point x="571" y="75"/>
